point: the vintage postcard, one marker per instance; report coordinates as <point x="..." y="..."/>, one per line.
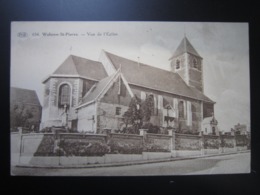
<point x="129" y="98"/>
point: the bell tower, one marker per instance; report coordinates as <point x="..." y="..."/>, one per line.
<point x="188" y="64"/>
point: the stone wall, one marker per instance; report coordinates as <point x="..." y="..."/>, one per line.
<point x="125" y="143"/>
<point x="82" y="145"/>
<point x="227" y="141"/>
<point x="107" y="118"/>
<point x="241" y="140"/>
<point x="211" y="141"/>
<point x="82" y="148"/>
<point x="187" y="142"/>
<point x="157" y="143"/>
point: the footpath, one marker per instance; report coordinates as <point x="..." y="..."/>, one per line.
<point x="132" y="162"/>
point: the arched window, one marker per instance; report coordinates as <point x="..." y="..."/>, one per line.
<point x="181" y="109"/>
<point x="178" y="64"/>
<point x="195" y="63"/>
<point x="64" y="95"/>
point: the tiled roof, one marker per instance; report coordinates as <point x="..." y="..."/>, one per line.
<point x="155" y="78"/>
<point x="26" y="96"/>
<point x="96" y="90"/>
<point x="199" y="95"/>
<point x="79" y="66"/>
<point x="185" y="47"/>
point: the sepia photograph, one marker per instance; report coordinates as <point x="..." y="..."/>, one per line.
<point x="129" y="98"/>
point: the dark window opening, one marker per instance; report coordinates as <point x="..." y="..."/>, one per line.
<point x="64" y="95"/>
<point x="118" y="110"/>
<point x="195" y="63"/>
<point x="177" y="64"/>
<point x="213" y="131"/>
<point x="193" y="111"/>
<point x="181" y="109"/>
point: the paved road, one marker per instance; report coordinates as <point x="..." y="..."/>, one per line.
<point x="236" y="163"/>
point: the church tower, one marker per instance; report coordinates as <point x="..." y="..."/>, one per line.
<point x="188" y="64"/>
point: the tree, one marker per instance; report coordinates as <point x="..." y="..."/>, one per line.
<point x="148" y="107"/>
<point x="20" y="115"/>
<point x="133" y="116"/>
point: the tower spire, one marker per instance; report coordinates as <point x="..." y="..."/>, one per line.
<point x="188" y="64"/>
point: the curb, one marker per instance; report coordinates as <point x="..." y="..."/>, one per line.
<point x="129" y="163"/>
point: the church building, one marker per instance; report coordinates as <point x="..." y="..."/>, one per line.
<point x="90" y="96"/>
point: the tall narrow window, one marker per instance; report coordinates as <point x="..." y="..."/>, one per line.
<point x="195" y="63"/>
<point x="193" y="110"/>
<point x="213" y="131"/>
<point x="181" y="109"/>
<point x="155" y="106"/>
<point x="118" y="110"/>
<point x="177" y="64"/>
<point x="64" y="95"/>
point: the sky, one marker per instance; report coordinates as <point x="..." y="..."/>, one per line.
<point x="223" y="46"/>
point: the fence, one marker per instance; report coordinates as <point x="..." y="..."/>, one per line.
<point x="78" y="148"/>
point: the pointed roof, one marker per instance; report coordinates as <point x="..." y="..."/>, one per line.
<point x="102" y="86"/>
<point x="25" y="96"/>
<point x="185" y="47"/>
<point x="155" y="78"/>
<point x="78" y="66"/>
<point x="97" y="89"/>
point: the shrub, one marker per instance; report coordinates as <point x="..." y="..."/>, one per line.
<point x="78" y="148"/>
<point x="187" y="131"/>
<point x="46" y="146"/>
<point x="131" y="130"/>
<point x="151" y="128"/>
<point x="211" y="144"/>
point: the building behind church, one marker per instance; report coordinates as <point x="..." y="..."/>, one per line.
<point x="25" y="109"/>
<point x="90" y="96"/>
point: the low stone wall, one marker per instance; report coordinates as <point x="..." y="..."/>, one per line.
<point x="227" y="141"/>
<point x="15" y="142"/>
<point x="211" y="142"/>
<point x="125" y="143"/>
<point x="91" y="160"/>
<point x="187" y="142"/>
<point x="241" y="140"/>
<point x="157" y="143"/>
<point x="31" y="142"/>
<point x="46" y="146"/>
<point x="81" y="145"/>
<point x="83" y="149"/>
